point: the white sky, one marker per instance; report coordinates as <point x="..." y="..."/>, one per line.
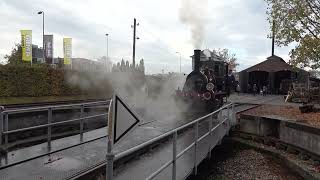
<point x="239" y="25"/>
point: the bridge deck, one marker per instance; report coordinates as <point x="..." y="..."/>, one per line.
<point x="145" y="165"/>
<point x="65" y="163"/>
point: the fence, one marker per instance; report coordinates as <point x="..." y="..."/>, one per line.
<point x="4" y="120"/>
<point x="225" y="123"/>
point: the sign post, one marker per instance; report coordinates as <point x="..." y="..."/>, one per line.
<point x="110" y="155"/>
<point x="121" y="121"/>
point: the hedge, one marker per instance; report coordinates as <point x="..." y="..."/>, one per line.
<point x="45" y="81"/>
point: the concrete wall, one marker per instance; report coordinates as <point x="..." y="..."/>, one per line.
<point x="259" y="126"/>
<point x="296" y="134"/>
<point x="303" y="136"/>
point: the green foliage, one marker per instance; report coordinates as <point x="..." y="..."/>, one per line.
<point x="298" y="22"/>
<point x="15" y="57"/>
<point x="18" y="78"/>
<point x="35" y="81"/>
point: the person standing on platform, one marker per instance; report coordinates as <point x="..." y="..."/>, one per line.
<point x="230" y="82"/>
<point x="238" y="89"/>
<point x="249" y="88"/>
<point x="255" y="89"/>
<point x="264" y="89"/>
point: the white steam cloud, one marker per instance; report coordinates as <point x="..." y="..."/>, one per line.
<point x="193" y="13"/>
<point x="151" y="96"/>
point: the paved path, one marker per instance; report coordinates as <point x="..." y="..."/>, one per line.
<point x="258" y="99"/>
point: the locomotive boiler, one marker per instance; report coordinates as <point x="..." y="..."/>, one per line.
<point x="205" y="87"/>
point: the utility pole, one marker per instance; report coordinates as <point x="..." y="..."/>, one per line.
<point x="273" y="34"/>
<point x="180" y="60"/>
<point x="107" y="35"/>
<point x="134" y="42"/>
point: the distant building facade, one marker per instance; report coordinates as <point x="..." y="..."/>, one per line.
<point x="125" y="66"/>
<point x="87" y="65"/>
<point x="37" y="54"/>
<point x="82" y="64"/>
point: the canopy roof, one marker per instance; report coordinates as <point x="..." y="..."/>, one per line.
<point x="272" y="64"/>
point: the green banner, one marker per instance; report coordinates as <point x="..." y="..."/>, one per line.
<point x="26" y="44"/>
<point x="67" y="50"/>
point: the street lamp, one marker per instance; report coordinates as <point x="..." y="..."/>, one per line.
<point x="180" y="59"/>
<point x="107" y="35"/>
<point x="41" y="12"/>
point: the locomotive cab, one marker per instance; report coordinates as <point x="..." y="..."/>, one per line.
<point x="203" y="90"/>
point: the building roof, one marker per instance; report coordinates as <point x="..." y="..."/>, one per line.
<point x="272" y="64"/>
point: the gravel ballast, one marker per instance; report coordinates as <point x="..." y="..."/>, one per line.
<point x="236" y="162"/>
<point x="250" y="164"/>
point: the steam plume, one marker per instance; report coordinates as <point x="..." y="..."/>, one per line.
<point x="193" y="13"/>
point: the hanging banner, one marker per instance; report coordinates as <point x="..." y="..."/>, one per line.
<point x="67" y="50"/>
<point x="48" y="44"/>
<point x="26" y="45"/>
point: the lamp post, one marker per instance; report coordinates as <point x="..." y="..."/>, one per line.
<point x="107" y="35"/>
<point x="41" y="12"/>
<point x="180" y="60"/>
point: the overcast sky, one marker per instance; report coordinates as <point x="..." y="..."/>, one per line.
<point x="239" y="25"/>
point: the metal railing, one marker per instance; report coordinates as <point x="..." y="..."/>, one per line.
<point x="229" y="121"/>
<point x="4" y="120"/>
<point x="226" y="122"/>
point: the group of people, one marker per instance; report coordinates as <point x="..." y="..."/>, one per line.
<point x="257" y="90"/>
<point x="254" y="89"/>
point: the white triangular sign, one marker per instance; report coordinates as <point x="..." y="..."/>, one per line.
<point x="124" y="119"/>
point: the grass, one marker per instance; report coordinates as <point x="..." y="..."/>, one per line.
<point x="26" y="100"/>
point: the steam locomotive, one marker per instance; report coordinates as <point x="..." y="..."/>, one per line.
<point x="206" y="86"/>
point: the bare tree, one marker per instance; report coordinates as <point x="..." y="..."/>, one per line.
<point x="230" y="58"/>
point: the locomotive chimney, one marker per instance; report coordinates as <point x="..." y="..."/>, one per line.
<point x="196" y="57"/>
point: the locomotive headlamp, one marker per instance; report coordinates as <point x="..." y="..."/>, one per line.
<point x="210" y="86"/>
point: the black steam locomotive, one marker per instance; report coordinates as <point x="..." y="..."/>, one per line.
<point x="206" y="86"/>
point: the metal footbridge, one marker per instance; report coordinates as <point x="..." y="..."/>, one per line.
<point x="170" y="149"/>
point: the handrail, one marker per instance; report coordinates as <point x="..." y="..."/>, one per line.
<point x="151" y="141"/>
<point x="52" y="124"/>
<point x="173" y="132"/>
<point x="168" y="163"/>
<point x="4" y="119"/>
<point x="54" y="107"/>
